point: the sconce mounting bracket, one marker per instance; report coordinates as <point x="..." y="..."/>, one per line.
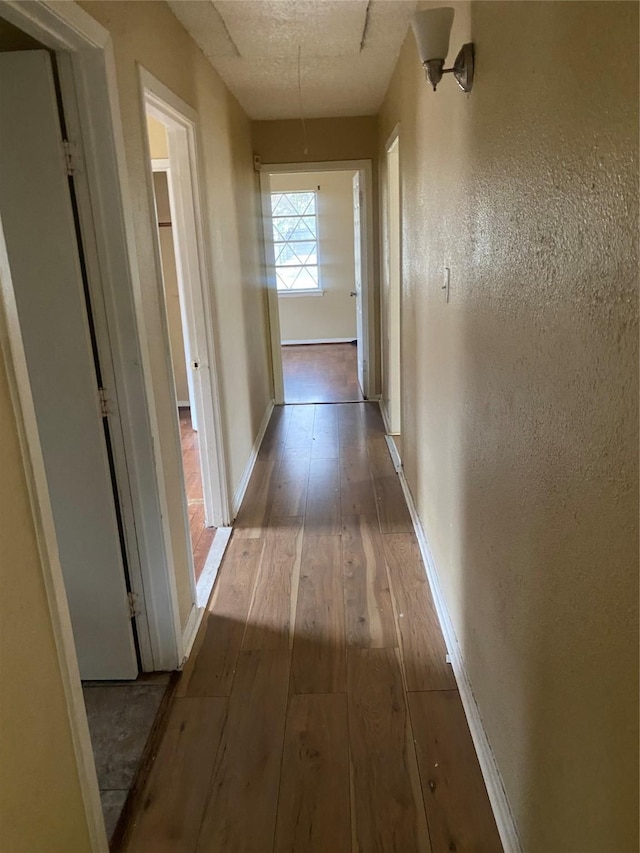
<point x="463" y="67"/>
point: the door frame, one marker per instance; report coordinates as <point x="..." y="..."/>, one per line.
<point x="190" y="239"/>
<point x="91" y="68"/>
<point x="186" y="192"/>
<point x="90" y="99"/>
<point x="385" y="289"/>
<point x="365" y="168"/>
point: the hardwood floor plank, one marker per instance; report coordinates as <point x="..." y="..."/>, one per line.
<point x="351" y="431"/>
<point x="258" y="500"/>
<point x="320" y="373"/>
<point x="313" y="807"/>
<point x="174" y="797"/>
<point x="372" y="417"/>
<point x="387" y="803"/>
<point x="319" y="660"/>
<point x="326" y="443"/>
<point x="322" y="514"/>
<point x="275" y="436"/>
<point x="300" y="427"/>
<point x="369" y="615"/>
<point x="423" y="647"/>
<point x="393" y="512"/>
<point x="240" y="815"/>
<point x="201" y="549"/>
<point x="212" y="671"/>
<point x="356" y="486"/>
<point x="290" y="495"/>
<point x="458" y="810"/>
<point x="315" y="606"/>
<point x="272" y="615"/>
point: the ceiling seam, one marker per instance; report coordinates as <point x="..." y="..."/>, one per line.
<point x="226" y="29"/>
<point x="365" y="26"/>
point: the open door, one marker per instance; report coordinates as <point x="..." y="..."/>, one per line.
<point x="47" y="271"/>
<point x="357" y="249"/>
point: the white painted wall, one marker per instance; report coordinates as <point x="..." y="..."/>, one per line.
<point x="332" y="315"/>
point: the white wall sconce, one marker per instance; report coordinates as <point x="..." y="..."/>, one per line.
<point x="432" y="28"/>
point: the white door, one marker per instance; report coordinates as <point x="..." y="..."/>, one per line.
<point x="357" y="247"/>
<point x="37" y="219"/>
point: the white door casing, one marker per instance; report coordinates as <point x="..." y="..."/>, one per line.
<point x="186" y="312"/>
<point x="196" y="312"/>
<point x="392" y="321"/>
<point x="42" y="249"/>
<point x="357" y="253"/>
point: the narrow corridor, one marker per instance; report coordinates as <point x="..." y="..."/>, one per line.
<point x="317" y="711"/>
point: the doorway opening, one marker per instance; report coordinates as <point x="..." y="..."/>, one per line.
<point x="171" y="134"/>
<point x="53" y="301"/>
<point x="392" y="299"/>
<point x="201" y="534"/>
<point x="318" y="248"/>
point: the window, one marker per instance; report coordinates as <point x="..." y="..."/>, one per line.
<point x="295" y="241"/>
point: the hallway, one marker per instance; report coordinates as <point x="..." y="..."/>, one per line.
<point x="318" y="667"/>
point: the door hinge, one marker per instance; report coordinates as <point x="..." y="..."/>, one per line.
<point x="134" y="605"/>
<point x="104" y="403"/>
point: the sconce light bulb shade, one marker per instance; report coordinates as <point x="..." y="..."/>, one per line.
<point x="432" y="28"/>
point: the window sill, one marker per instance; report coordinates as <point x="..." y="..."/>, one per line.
<point x="287" y="294"/>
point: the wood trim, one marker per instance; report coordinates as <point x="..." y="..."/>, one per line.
<point x="490" y="772"/>
<point x="246" y="475"/>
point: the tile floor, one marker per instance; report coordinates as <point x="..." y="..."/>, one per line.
<point x="121" y="716"/>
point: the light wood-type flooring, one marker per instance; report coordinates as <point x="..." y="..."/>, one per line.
<point x="317" y="711"/>
<point x="321" y="373"/>
<point x="201" y="537"/>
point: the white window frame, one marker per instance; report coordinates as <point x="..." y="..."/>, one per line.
<point x="309" y="291"/>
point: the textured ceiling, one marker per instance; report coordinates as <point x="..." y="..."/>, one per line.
<point x="347" y="48"/>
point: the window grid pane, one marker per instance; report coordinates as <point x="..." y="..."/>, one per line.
<point x="295" y="240"/>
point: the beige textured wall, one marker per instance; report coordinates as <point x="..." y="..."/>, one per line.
<point x="520" y="437"/>
<point x="332" y="315"/>
<point x="147" y="33"/>
<point x="354" y="138"/>
<point x="158" y="142"/>
<point x="41" y="805"/>
<point x="170" y="278"/>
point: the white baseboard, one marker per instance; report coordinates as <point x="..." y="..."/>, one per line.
<point x="203" y="589"/>
<point x="319" y="341"/>
<point x="246" y="475"/>
<point x="393" y="452"/>
<point x="212" y="564"/>
<point x="385" y="417"/>
<point x="190" y="631"/>
<point x="490" y="772"/>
